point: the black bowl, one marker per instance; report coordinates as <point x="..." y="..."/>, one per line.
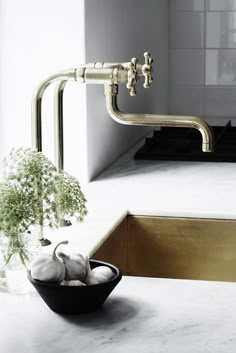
<point x="76" y="299"/>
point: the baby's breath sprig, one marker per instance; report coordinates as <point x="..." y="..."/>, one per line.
<point x="34" y="193"/>
<point x="69" y="198"/>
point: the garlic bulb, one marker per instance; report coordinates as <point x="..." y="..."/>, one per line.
<point x="75" y="265"/>
<point x="72" y="283"/>
<point x="99" y="274"/>
<point x="48" y="267"/>
<point x="103" y="272"/>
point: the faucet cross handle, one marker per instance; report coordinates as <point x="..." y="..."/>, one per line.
<point x="147" y="70"/>
<point x="132" y="76"/>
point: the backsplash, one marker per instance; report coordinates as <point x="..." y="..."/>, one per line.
<point x="202" y="45"/>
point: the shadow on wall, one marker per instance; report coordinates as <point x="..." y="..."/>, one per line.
<point x="116" y="31"/>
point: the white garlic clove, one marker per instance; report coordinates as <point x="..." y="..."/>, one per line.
<point x="103" y="271"/>
<point x="99" y="274"/>
<point x="90" y="278"/>
<point x="48" y="267"/>
<point x="75" y="266"/>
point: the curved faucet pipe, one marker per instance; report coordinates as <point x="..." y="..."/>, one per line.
<point x="36" y="119"/>
<point x="158" y="120"/>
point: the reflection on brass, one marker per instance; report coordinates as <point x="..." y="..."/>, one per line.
<point x="58" y="126"/>
<point x="111" y="92"/>
<point x="114" y="249"/>
<point x="110" y="75"/>
<point x="36" y="114"/>
<point x="186" y="248"/>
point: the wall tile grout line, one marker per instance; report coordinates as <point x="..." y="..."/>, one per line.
<point x="204" y="60"/>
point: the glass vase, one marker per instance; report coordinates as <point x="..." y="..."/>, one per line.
<point x="13" y="271"/>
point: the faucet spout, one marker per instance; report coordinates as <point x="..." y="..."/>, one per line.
<point x="111" y="92"/>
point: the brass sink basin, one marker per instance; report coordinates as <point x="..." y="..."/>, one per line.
<point x="186" y="248"/>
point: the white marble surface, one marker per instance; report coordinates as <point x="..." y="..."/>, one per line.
<point x="86" y="237"/>
<point x="142" y="315"/>
<point x="179" y="189"/>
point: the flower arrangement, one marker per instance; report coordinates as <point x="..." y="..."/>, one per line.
<point x="33" y="193"/>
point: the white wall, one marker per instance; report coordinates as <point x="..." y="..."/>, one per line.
<point x="42" y="36"/>
<point x="37" y="38"/>
<point x="117" y="31"/>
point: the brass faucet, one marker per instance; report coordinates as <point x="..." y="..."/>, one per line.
<point x="111" y="75"/>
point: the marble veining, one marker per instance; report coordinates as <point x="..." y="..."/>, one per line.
<point x="141" y="315"/>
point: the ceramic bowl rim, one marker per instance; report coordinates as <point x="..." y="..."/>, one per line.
<point x="116" y="271"/>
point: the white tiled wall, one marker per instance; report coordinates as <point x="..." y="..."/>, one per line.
<point x="220" y="5"/>
<point x="188" y="5"/>
<point x="203" y="58"/>
<point x="182" y="62"/>
<point x="192" y="37"/>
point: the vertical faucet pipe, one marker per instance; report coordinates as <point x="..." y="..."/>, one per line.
<point x="58" y="126"/>
<point x="36" y="121"/>
<point x="111" y="92"/>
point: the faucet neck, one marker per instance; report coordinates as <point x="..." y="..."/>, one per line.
<point x="111" y="92"/>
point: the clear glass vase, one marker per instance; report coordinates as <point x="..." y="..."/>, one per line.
<point x="13" y="274"/>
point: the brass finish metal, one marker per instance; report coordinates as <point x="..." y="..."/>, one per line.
<point x="132" y="76"/>
<point x="147" y="70"/>
<point x="111" y="93"/>
<point x="182" y="248"/>
<point x="185" y="248"/>
<point x="109" y="74"/>
<point x="58" y="126"/>
<point x="36" y="116"/>
<point x="114" y="249"/>
<point x="115" y="73"/>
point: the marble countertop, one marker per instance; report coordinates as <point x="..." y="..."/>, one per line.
<point x="142" y="315"/>
<point x="169" y="188"/>
<point x="152" y="188"/>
